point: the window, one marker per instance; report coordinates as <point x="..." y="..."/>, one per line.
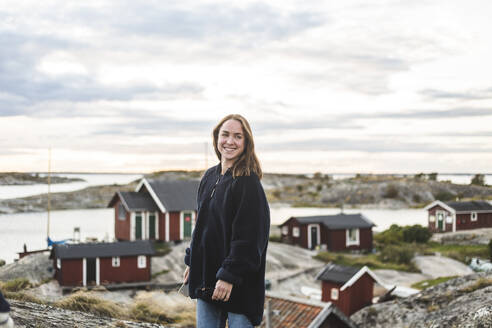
<point x="449" y="219"/>
<point x="295" y="232"/>
<point x="285" y="230"/>
<point x="474" y="216"/>
<point x="142" y="261"/>
<point x="352" y="237"/>
<point x="116" y="261"/>
<point x="432" y="218"/>
<point x="121" y="212"/>
<point x="58" y="263"/>
<point x="334" y="294"/>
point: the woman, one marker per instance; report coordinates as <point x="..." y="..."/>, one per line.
<point x="226" y="258"/>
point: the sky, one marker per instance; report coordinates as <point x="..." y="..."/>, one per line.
<point x="379" y="86"/>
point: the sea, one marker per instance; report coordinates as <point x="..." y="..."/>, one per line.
<point x="30" y="229"/>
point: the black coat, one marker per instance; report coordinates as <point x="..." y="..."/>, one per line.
<point x="230" y="242"/>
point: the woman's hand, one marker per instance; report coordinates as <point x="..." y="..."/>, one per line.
<point x="222" y="291"/>
<point x="185" y="275"/>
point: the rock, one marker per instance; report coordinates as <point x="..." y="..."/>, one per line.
<point x="26" y="314"/>
<point x="462" y="302"/>
<point x="35" y="267"/>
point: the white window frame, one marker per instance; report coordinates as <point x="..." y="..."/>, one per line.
<point x="115" y="261"/>
<point x="334" y="294"/>
<point x="285" y="230"/>
<point x="58" y="264"/>
<point x="473" y="216"/>
<point x="357" y="237"/>
<point x="142" y="261"/>
<point x="432" y="218"/>
<point x="296" y="232"/>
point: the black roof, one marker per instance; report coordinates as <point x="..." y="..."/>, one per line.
<point x="90" y="250"/>
<point x="176" y="195"/>
<point x="138" y="201"/>
<point x="470" y="206"/>
<point x="337" y="273"/>
<point x="339" y="221"/>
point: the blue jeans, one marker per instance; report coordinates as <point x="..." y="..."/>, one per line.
<point x="211" y="316"/>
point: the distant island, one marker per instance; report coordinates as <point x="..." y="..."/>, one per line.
<point x="297" y="190"/>
<point x="20" y="178"/>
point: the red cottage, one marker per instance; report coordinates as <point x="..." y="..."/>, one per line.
<point x="349" y="288"/>
<point x="455" y="216"/>
<point x="287" y="311"/>
<point x="102" y="263"/>
<point x="158" y="210"/>
<point x="332" y="232"/>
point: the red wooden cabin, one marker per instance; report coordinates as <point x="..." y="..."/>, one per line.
<point x="349" y="288"/>
<point x="158" y="210"/>
<point x="455" y="216"/>
<point x="332" y="232"/>
<point x="287" y="311"/>
<point x="102" y="263"/>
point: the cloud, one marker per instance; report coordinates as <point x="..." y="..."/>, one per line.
<point x="477" y="94"/>
<point x="431" y="114"/>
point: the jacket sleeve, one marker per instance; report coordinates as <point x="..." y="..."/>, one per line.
<point x="200" y="190"/>
<point x="250" y="230"/>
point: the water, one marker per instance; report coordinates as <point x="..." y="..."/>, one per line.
<point x="90" y="180"/>
<point x="30" y="228"/>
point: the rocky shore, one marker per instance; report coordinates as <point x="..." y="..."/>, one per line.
<point x="18" y="178"/>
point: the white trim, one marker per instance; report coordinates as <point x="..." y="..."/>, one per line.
<point x="359" y="274"/>
<point x="309" y="226"/>
<point x="471" y="216"/>
<point x="454" y="222"/>
<point x="285" y="230"/>
<point x="141" y="261"/>
<point x="122" y="200"/>
<point x="152" y="193"/>
<point x="115" y="261"/>
<point x="58" y="264"/>
<point x="443" y="205"/>
<point x="334" y="294"/>
<point x="167" y="226"/>
<point x="132" y="226"/>
<point x="348" y="242"/>
<point x="98" y="279"/>
<point x="443" y="220"/>
<point x="296" y="232"/>
<point x="84" y="272"/>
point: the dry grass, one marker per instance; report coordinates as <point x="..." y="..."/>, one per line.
<point x="159" y="307"/>
<point x="479" y="284"/>
<point x="15" y="285"/>
<point x="85" y="302"/>
<point x="23" y="297"/>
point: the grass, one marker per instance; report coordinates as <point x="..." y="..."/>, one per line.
<point x="431" y="282"/>
<point x="461" y="253"/>
<point x="161" y="249"/>
<point x="156" y="274"/>
<point x="144" y="311"/>
<point x="370" y="260"/>
<point x="84" y="302"/>
<point x="23" y="297"/>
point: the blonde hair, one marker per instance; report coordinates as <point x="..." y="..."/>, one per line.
<point x="247" y="162"/>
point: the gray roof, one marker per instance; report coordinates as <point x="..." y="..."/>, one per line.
<point x="470" y="206"/>
<point x="138" y="201"/>
<point x="176" y="195"/>
<point x="122" y="248"/>
<point x="339" y="221"/>
<point x="337" y="273"/>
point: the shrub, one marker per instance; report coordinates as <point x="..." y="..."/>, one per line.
<point x="397" y="254"/>
<point x="391" y="191"/>
<point x="275" y="238"/>
<point x="490" y="249"/>
<point x="393" y="235"/>
<point x="416" y="233"/>
<point x="444" y="196"/>
<point x="2" y="263"/>
<point x="432" y="176"/>
<point x="478" y="180"/>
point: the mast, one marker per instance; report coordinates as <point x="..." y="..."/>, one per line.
<point x="49" y="193"/>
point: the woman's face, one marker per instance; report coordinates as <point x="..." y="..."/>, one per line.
<point x="230" y="141"/>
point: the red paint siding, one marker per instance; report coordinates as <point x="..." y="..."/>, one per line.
<point x="121" y="228"/>
<point x="174" y="226"/>
<point x="162" y="226"/>
<point x="128" y="270"/>
<point x="463" y="220"/>
<point x="353" y="298"/>
<point x="71" y="273"/>
<point x="433" y="225"/>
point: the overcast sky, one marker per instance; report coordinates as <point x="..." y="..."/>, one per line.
<point x="331" y="86"/>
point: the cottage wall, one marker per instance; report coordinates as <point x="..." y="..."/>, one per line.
<point x="360" y="294"/>
<point x="162" y="226"/>
<point x="71" y="272"/>
<point x="336" y="240"/>
<point x="464" y="222"/>
<point x="433" y="226"/>
<point x="341" y="302"/>
<point x="174" y="233"/>
<point x="128" y="270"/>
<point x="121" y="227"/>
